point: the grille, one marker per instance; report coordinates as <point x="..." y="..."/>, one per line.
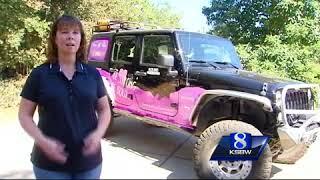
<point x="299" y="99"/>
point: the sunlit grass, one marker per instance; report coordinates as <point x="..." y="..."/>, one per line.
<point x="9" y="98"/>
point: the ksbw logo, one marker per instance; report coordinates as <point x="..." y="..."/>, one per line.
<point x="240" y="146"/>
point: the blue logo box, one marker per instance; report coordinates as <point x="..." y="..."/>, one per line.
<point x="240" y="146"/>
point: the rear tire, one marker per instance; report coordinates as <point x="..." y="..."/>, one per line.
<point x="208" y="141"/>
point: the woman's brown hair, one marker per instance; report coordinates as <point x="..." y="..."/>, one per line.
<point x="65" y="20"/>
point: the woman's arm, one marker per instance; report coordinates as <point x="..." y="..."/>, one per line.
<point x="92" y="141"/>
<point x="26" y="111"/>
<point x="53" y="149"/>
<point x="104" y="115"/>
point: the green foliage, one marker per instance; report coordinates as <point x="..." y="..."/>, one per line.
<point x="10" y="90"/>
<point x="139" y="11"/>
<point x="142" y="11"/>
<point x="238" y="20"/>
<point x="22" y="36"/>
<point x="277" y="37"/>
<point x="281" y="60"/>
<point x="25" y="26"/>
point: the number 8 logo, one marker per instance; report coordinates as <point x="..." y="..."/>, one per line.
<point x="240" y="142"/>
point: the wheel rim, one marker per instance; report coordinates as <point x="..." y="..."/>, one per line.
<point x="231" y="169"/>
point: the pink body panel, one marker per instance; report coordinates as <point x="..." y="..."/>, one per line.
<point x="143" y="103"/>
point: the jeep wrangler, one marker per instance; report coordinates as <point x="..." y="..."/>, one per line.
<point x="195" y="83"/>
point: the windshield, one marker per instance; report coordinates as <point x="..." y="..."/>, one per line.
<point x="203" y="47"/>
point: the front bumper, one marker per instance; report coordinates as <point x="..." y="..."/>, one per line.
<point x="305" y="133"/>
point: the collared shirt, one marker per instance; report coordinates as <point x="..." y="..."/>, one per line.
<point x="67" y="111"/>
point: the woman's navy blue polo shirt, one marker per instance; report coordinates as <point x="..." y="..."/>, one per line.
<point x="67" y="112"/>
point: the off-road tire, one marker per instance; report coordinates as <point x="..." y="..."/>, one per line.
<point x="209" y="139"/>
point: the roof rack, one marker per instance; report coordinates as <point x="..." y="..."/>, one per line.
<point x="116" y="25"/>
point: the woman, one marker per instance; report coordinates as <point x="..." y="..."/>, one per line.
<point x="73" y="108"/>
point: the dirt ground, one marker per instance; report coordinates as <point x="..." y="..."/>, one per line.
<point x="136" y="151"/>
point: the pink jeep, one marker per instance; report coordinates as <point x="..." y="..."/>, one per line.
<point x="195" y="83"/>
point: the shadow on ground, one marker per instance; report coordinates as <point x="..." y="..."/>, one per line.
<point x="274" y="171"/>
<point x="21" y="174"/>
<point x="170" y="150"/>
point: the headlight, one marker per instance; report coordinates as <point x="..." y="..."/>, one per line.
<point x="278" y="98"/>
<point x="318" y="103"/>
<point x="315" y="96"/>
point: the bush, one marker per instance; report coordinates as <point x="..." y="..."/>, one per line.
<point x="275" y="58"/>
<point x="10" y="91"/>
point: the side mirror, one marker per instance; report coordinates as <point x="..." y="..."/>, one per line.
<point x="166" y="60"/>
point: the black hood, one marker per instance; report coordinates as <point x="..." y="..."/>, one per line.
<point x="234" y="79"/>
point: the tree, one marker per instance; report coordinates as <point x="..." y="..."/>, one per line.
<point x="22" y="35"/>
<point x="251" y="21"/>
<point x="25" y="25"/>
<point x="140" y="11"/>
<point x="278" y="37"/>
<point x="241" y="20"/>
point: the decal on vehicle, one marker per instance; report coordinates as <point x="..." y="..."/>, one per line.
<point x="98" y="49"/>
<point x="173" y="108"/>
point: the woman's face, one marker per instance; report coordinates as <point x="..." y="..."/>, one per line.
<point x="68" y="39"/>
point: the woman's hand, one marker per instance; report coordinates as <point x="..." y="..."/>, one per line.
<point x="93" y="140"/>
<point x="91" y="143"/>
<point x="54" y="150"/>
